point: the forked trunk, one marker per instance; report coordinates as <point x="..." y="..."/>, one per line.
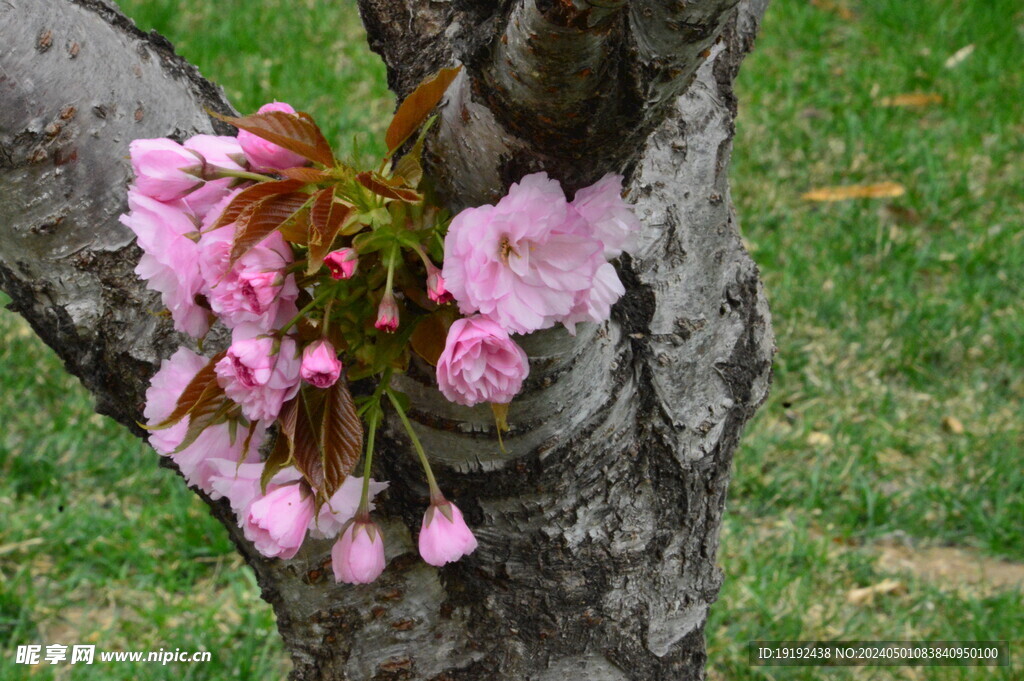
<point x="598" y="528"/>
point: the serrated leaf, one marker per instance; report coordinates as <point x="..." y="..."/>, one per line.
<point x="417" y="106"/>
<point x="307" y="175"/>
<point x="250" y="195"/>
<point x="381" y="187"/>
<point x="192" y="393"/>
<point x="326" y="218"/>
<point x="296" y="132"/>
<point x="265" y="217"/>
<point x="341" y="434"/>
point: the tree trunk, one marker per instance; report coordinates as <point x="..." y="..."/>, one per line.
<point x="598" y="529"/>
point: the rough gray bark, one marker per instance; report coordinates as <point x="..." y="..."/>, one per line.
<point x="598" y="530"/>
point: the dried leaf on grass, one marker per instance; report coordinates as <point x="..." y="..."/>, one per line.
<point x="911" y="99"/>
<point x="837" y="8"/>
<point x="866" y="595"/>
<point x="958" y="56"/>
<point x="881" y="190"/>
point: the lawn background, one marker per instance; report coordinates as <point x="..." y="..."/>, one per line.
<point x="890" y="448"/>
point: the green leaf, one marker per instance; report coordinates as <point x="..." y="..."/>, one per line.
<point x="371" y="242"/>
<point x="296" y="132"/>
<point x="381" y="187"/>
<point x="417" y="106"/>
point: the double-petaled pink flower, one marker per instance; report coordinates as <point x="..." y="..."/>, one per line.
<point x="265" y="155"/>
<point x="444" y="535"/>
<point x="524" y="261"/>
<point x="259" y="372"/>
<point x="255" y="288"/>
<point x="198" y="461"/>
<point x="165" y="170"/>
<point x="611" y="220"/>
<point x="480" y="363"/>
<point x="277" y="522"/>
<point x="219" y="152"/>
<point x="170" y="259"/>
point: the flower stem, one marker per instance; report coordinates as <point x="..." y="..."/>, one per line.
<point x="242" y="174"/>
<point x="435" y="491"/>
<point x="328" y="290"/>
<point x="363" y="511"/>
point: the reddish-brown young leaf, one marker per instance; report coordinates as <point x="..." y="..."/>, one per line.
<point x="307" y="175"/>
<point x="307" y="453"/>
<point x="341" y="433"/>
<point x="284" y="444"/>
<point x="431" y="332"/>
<point x="379" y="186"/>
<point x="192" y="393"/>
<point x="266" y="216"/>
<point x="250" y="195"/>
<point x="417" y="106"/>
<point x="325" y="220"/>
<point x="211" y="409"/>
<point x="295" y="132"/>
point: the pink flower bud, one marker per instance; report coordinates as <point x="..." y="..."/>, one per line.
<point x="342" y="263"/>
<point x="165" y="170"/>
<point x="436" y="289"/>
<point x="264" y="155"/>
<point x="358" y="557"/>
<point x="320" y="365"/>
<point x="444" y="536"/>
<point x="480" y="363"/>
<point x="387" y="314"/>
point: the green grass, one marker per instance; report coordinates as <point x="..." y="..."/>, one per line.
<point x="893" y="316"/>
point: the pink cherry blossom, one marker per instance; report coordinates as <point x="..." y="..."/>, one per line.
<point x="255" y="376"/>
<point x="197" y="461"/>
<point x="358" y="557"/>
<point x="523" y="261"/>
<point x="277" y="522"/>
<point x="219" y="152"/>
<point x="164" y="170"/>
<point x="387" y="314"/>
<point x="264" y="155"/>
<point x="444" y="536"/>
<point x="253" y="289"/>
<point x="320" y="365"/>
<point x="611" y="220"/>
<point x="437" y="290"/>
<point x="240" y="484"/>
<point x="595" y="305"/>
<point x="343" y="505"/>
<point x="342" y="263"/>
<point x="170" y="260"/>
<point x="480" y="363"/>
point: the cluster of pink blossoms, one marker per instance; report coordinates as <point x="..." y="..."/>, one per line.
<point x="245" y="231"/>
<point x="531" y="261"/>
<point x="179" y="194"/>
